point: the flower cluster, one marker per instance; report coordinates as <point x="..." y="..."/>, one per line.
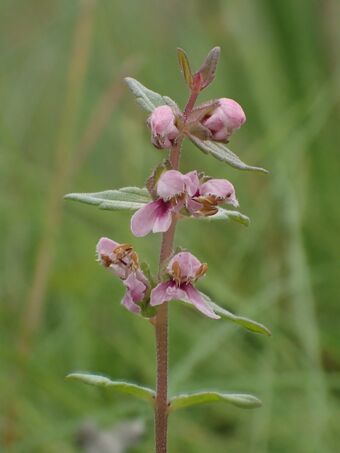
<point x="220" y="123"/>
<point x="176" y="195"/>
<point x="182" y="271"/>
<point x="177" y="192"/>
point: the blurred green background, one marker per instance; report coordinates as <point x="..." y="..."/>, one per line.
<point x="68" y="123"/>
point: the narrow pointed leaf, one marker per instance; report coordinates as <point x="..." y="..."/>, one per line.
<point x="185" y="66"/>
<point x="148" y="99"/>
<point x="222" y="153"/>
<point x="249" y="324"/>
<point x="236" y="399"/>
<point x="138" y="391"/>
<point x="208" y="69"/>
<point x="127" y="198"/>
<point x="225" y="214"/>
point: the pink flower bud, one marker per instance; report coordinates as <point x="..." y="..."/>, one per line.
<point x="225" y="119"/>
<point x="163" y="127"/>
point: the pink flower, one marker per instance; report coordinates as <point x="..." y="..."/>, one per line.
<point x="162" y="122"/>
<point x="183" y="269"/>
<point x="172" y="189"/>
<point x="177" y="191"/>
<point x="122" y="260"/>
<point x="225" y="119"/>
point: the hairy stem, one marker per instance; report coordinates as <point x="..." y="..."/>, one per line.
<point x="161" y="321"/>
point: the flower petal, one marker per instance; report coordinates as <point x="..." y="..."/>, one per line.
<point x="192" y="183"/>
<point x="170" y="184"/>
<point x="161" y="119"/>
<point x="135" y="287"/>
<point x="189" y="265"/>
<point x="193" y="206"/>
<point x="221" y="189"/>
<point x="163" y="128"/>
<point x="105" y="247"/>
<point x="128" y="303"/>
<point x="155" y="216"/>
<point x="163" y="221"/>
<point x="165" y="292"/>
<point x="194" y="297"/>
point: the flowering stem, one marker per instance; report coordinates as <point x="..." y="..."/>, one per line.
<point x="161" y="320"/>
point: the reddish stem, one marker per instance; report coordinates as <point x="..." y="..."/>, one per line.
<point x="161" y="320"/>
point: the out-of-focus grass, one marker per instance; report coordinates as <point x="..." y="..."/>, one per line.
<point x="280" y="61"/>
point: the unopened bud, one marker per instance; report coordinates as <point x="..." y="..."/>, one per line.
<point x="162" y="123"/>
<point x="225" y="119"/>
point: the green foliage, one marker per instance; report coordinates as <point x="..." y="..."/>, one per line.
<point x="240" y="400"/>
<point x="225" y="214"/>
<point x="208" y="69"/>
<point x="138" y="391"/>
<point x="127" y="198"/>
<point x="146" y="98"/>
<point x="248" y="324"/>
<point x="222" y="153"/>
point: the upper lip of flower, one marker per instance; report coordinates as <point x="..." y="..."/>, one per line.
<point x="185" y="268"/>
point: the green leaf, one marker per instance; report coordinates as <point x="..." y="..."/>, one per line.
<point x="249" y="324"/>
<point x="127" y="198"/>
<point x="185" y="66"/>
<point x="138" y="391"/>
<point x="148" y="99"/>
<point x="208" y="69"/>
<point x="236" y="399"/>
<point x="225" y="214"/>
<point x="222" y="153"/>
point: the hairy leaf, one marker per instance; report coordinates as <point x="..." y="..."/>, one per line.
<point x="127" y="198"/>
<point x="222" y="153"/>
<point x="236" y="399"/>
<point x="208" y="69"/>
<point x="138" y="391"/>
<point x="148" y="99"/>
<point x="249" y="324"/>
<point x="225" y="214"/>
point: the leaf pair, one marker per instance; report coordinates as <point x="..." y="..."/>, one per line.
<point x="244" y="401"/>
<point x="205" y="75"/>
